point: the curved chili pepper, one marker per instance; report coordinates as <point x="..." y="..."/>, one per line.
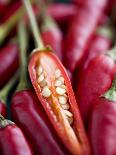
<point x="102" y="126"/>
<point x="8" y="62"/>
<point x="81" y="31"/>
<point x="12" y="140"/>
<point x="95" y="80"/>
<point x="28" y="116"/>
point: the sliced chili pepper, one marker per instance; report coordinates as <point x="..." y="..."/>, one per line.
<point x="12" y="140"/>
<point x="8" y="62"/>
<point x="81" y="30"/>
<point x="95" y="80"/>
<point x="53" y="88"/>
<point x="28" y="116"/>
<point x="102" y="125"/>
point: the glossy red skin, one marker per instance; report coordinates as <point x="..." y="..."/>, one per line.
<point x="53" y="36"/>
<point x="26" y="114"/>
<point x="77" y="125"/>
<point x="13" y="142"/>
<point x="81" y="30"/>
<point x="62" y="13"/>
<point x="102" y="127"/>
<point x="95" y="80"/>
<point x="8" y="62"/>
<point x="2" y="109"/>
<point x="99" y="45"/>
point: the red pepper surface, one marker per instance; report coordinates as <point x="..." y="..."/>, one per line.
<point x="68" y="124"/>
<point x="95" y="80"/>
<point x="62" y="13"/>
<point x="103" y="121"/>
<point x="2" y="109"/>
<point x="102" y="127"/>
<point x="101" y="42"/>
<point x="30" y="119"/>
<point x="12" y="140"/>
<point x="81" y="30"/>
<point x="52" y="35"/>
<point x="8" y="62"/>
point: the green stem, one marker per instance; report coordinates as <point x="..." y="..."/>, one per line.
<point x="106" y="31"/>
<point x="111" y="93"/>
<point x="112" y="53"/>
<point x="5" y="122"/>
<point x="48" y="21"/>
<point x="11" y="22"/>
<point x="33" y="23"/>
<point x="5" y="90"/>
<point x="23" y="84"/>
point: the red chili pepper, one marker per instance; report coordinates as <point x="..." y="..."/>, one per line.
<point x="81" y="30"/>
<point x="8" y="62"/>
<point x="100" y="43"/>
<point x="28" y="116"/>
<point x="12" y="140"/>
<point x="102" y="126"/>
<point x="95" y="80"/>
<point x="53" y="88"/>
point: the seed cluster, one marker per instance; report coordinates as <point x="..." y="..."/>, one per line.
<point x="60" y="89"/>
<point x="46" y="92"/>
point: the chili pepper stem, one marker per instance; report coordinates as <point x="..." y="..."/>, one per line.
<point x="48" y="21"/>
<point x="106" y="31"/>
<point x="33" y="23"/>
<point x="6" y="27"/>
<point x="23" y="65"/>
<point x="5" y="90"/>
<point x="112" y="53"/>
<point x="111" y="93"/>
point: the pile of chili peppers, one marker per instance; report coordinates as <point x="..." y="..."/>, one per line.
<point x="57" y="77"/>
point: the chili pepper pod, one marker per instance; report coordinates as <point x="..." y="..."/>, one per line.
<point x="81" y="30"/>
<point x="27" y="115"/>
<point x="53" y="88"/>
<point x="12" y="140"/>
<point x="8" y="62"/>
<point x="95" y="80"/>
<point x="102" y="125"/>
